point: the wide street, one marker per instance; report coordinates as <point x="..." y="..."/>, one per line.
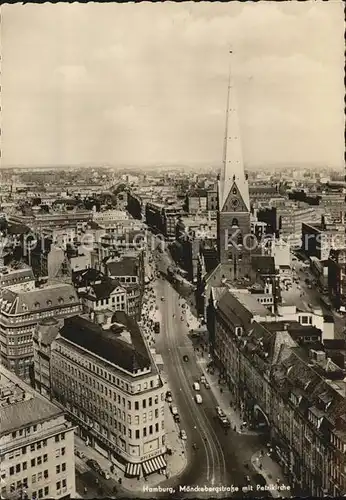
<point x="220" y="459"/>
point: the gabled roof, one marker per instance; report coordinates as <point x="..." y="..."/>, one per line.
<point x="102" y="290"/>
<point x="229" y="308"/>
<point x="86" y="276"/>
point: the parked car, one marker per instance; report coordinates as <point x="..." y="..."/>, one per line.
<point x="183" y="435"/>
<point x="105" y="474"/>
<point x="224" y="422"/>
<point x="79" y="453"/>
<point x="220" y="412"/>
<point x="206" y="385"/>
<point x="176" y="418"/>
<point x="169" y="398"/>
<point x="174" y="410"/>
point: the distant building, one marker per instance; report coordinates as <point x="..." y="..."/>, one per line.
<point x="212" y="199"/>
<point x="119" y="407"/>
<point x="337" y="278"/>
<point x="163" y="218"/>
<point x="110" y="215"/>
<point x="196" y="201"/>
<point x="36" y="444"/>
<point x="134" y="206"/>
<point x="318" y="239"/>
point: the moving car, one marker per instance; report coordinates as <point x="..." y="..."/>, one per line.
<point x="186" y="358"/>
<point x="183" y="435"/>
<point x="196" y="386"/>
<point x="94" y="465"/>
<point x="198" y="399"/>
<point x="202" y="379"/>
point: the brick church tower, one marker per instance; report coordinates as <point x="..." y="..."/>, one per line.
<point x="235" y="242"/>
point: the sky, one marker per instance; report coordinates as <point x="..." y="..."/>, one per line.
<point x="145" y="84"/>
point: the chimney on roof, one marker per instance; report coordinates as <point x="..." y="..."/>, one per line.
<point x="318" y="356"/>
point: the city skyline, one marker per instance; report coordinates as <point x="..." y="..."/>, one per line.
<point x="91" y="109"/>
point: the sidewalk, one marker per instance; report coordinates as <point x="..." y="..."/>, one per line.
<point x="223" y="398"/>
<point x="272" y="473"/>
<point x="176" y="462"/>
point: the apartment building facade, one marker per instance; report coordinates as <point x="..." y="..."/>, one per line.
<point x="21" y="310"/>
<point x="297" y="396"/>
<point x="106" y="378"/>
<point x="36" y="444"/>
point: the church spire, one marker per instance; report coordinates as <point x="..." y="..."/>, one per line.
<point x="233" y="167"/>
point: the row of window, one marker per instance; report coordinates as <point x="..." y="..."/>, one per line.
<point x="26" y="432"/>
<point x="38" y="316"/>
<point x="23" y="484"/>
<point x="20" y="350"/>
<point x="106" y="302"/>
<point x="126" y="279"/>
<point x="99" y="371"/>
<point x="104" y="406"/>
<point x="24" y="465"/>
<point x="20" y="340"/>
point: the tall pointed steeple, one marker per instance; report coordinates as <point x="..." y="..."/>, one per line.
<point x="232" y="172"/>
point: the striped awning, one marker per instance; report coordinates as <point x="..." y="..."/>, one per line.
<point x="133" y="470"/>
<point x="154" y="465"/>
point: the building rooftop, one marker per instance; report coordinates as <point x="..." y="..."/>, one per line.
<point x="101" y="290"/>
<point x="264" y="264"/>
<point x="121" y="343"/>
<point x="294" y="328"/>
<point x="20" y="405"/>
<point x="250" y="302"/>
<point x="9" y="275"/>
<point x="127" y="266"/>
<point x="28" y="300"/>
